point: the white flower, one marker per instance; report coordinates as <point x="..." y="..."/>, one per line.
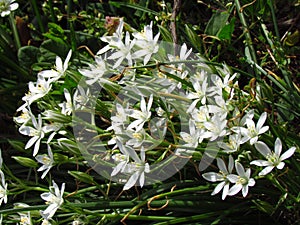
<point x="222" y="84"/>
<point x="54" y="198"/>
<point x="139" y="168"/>
<point x="242" y="181"/>
<point x="3" y="189"/>
<point x="25" y="218"/>
<point x="122" y="161"/>
<point x="274" y="159"/>
<point x="81" y="97"/>
<point x="123" y="51"/>
<point x="6" y="6"/>
<point x="199" y="94"/>
<point x="112" y="40"/>
<point x="141" y="116"/>
<point x="221" y="106"/>
<point x="46" y="160"/>
<point x="233" y="143"/>
<point x="95" y="72"/>
<point x="192" y="138"/>
<point x="137" y="138"/>
<point x="216" y="127"/>
<point x="147" y="43"/>
<point x="120" y="117"/>
<point x="36" y="91"/>
<point x="60" y="69"/>
<point x="220" y="176"/>
<point x="253" y="131"/>
<point x="36" y="132"/>
<point x="23" y="118"/>
<point x="66" y="107"/>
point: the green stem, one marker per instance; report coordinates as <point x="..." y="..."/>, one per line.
<point x="271" y="5"/>
<point x="14" y="30"/>
<point x="71" y="26"/>
<point x="38" y="15"/>
<point x="52" y="13"/>
<point x="246" y="31"/>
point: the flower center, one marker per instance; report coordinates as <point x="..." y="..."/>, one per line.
<point x="242" y="180"/>
<point x="273" y="158"/>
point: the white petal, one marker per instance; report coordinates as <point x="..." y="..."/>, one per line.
<point x="235" y="189"/>
<point x="142" y="179"/>
<point x="251" y="182"/>
<point x="31" y="142"/>
<point x="280" y="165"/>
<point x="288" y="153"/>
<point x="59" y="64"/>
<point x="67" y="60"/>
<point x="132" y="180"/>
<point x="262" y="148"/>
<point x="225" y="191"/>
<point x="221" y="165"/>
<point x="230" y="164"/>
<point x="218" y="188"/>
<point x="245" y="190"/>
<point x="263" y="129"/>
<point x="278" y="146"/>
<point x="261" y="120"/>
<point x="232" y="178"/>
<point x="212" y="176"/>
<point x="266" y="170"/>
<point x="260" y="163"/>
<point x="240" y="169"/>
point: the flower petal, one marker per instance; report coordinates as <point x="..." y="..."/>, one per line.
<point x="240" y="169"/>
<point x="212" y="176"/>
<point x="218" y="188"/>
<point x="262" y="148"/>
<point x="288" y="153"/>
<point x="235" y="189"/>
<point x="225" y="191"/>
<point x="266" y="170"/>
<point x="260" y="162"/>
<point x="261" y="120"/>
<point x="278" y="146"/>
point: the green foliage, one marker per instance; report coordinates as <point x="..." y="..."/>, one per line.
<point x="257" y="39"/>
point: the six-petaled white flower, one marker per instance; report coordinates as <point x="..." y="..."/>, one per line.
<point x="242" y="181"/>
<point x="221" y="176"/>
<point x="274" y="159"/>
<point x="54" y="198"/>
<point x="47" y="161"/>
<point x="59" y="70"/>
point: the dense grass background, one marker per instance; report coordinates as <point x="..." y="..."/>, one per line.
<point x="259" y="39"/>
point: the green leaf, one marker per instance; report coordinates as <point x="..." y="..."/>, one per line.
<point x="165" y="33"/>
<point x="27" y="56"/>
<point x="60" y="158"/>
<point x="24" y="161"/>
<point x="81" y="176"/>
<point x="227" y="30"/>
<point x="69" y="146"/>
<point x="193" y="37"/>
<point x="133" y="6"/>
<point x="216" y="23"/>
<point x="264" y="206"/>
<point x="17" y="145"/>
<point x="53" y="47"/>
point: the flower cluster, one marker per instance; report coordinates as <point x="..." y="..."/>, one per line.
<point x="143" y="104"/>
